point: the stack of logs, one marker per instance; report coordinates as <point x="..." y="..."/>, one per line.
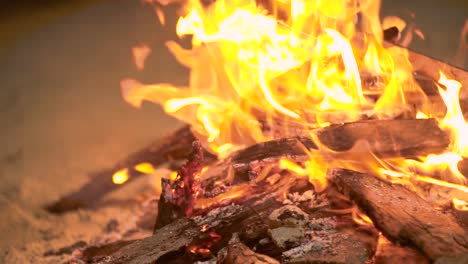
<point x="264" y="214"/>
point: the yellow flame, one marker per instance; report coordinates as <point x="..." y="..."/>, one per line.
<point x="120" y="176"/>
<point x="443" y="162"/>
<point x="460" y="204"/>
<point x="298" y="61"/>
<point x="421" y="115"/>
<point x="361" y="218"/>
<point x="454" y="120"/>
<point x="145" y="167"/>
<point x="173" y="175"/>
<point x="250" y="65"/>
<point x="315" y="170"/>
<point x="442" y="169"/>
<point x="443" y="183"/>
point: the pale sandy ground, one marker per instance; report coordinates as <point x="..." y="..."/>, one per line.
<point x="62" y="116"/>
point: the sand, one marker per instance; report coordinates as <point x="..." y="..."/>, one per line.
<point x="63" y="117"/>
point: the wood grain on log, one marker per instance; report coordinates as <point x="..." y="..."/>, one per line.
<point x="175" y="237"/>
<point x="387" y="138"/>
<point x="430" y="68"/>
<point x="402" y="215"/>
<point x="389" y="253"/>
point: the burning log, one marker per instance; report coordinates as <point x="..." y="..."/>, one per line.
<point x="172" y="147"/>
<point x="214" y="218"/>
<point x="176" y="238"/>
<point x="427" y="68"/>
<point x="388" y="253"/>
<point x="282" y="232"/>
<point x="187" y="236"/>
<point x="387" y="138"/>
<point x="402" y="215"/>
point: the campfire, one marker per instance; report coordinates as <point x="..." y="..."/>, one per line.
<point x="311" y="137"/>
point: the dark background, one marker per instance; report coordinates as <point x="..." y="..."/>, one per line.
<point x="440" y="21"/>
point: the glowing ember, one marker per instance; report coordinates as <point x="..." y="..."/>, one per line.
<point x="361" y="218"/>
<point x="173" y="175"/>
<point x="120" y="176"/>
<point x="145" y="167"/>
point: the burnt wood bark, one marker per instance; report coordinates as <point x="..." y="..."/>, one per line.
<point x="402" y="215"/>
<point x="389" y="253"/>
<point x="175" y="146"/>
<point x="238" y="253"/>
<point x="387" y="138"/>
<point x="176" y="239"/>
<point x="425" y="67"/>
<point x="326" y="239"/>
<point x="178" y="198"/>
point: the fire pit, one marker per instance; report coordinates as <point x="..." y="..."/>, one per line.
<point x="311" y="138"/>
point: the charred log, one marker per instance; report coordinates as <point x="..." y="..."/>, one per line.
<point x="178" y="236"/>
<point x="172" y="147"/>
<point x="389" y="253"/>
<point x="425" y="67"/>
<point x="178" y="197"/>
<point x="403" y="216"/>
<point x="237" y="253"/>
<point x="264" y="223"/>
<point x="387" y="138"/>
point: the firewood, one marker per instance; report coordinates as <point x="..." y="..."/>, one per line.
<point x="332" y="239"/>
<point x="427" y="67"/>
<point x="387" y="138"/>
<point x="178" y="197"/>
<point x="238" y="253"/>
<point x="389" y="253"/>
<point x="97" y="253"/>
<point x="175" y="146"/>
<point x="66" y="250"/>
<point x="402" y="215"/>
<point x="177" y="237"/>
<point x="186" y="235"/>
